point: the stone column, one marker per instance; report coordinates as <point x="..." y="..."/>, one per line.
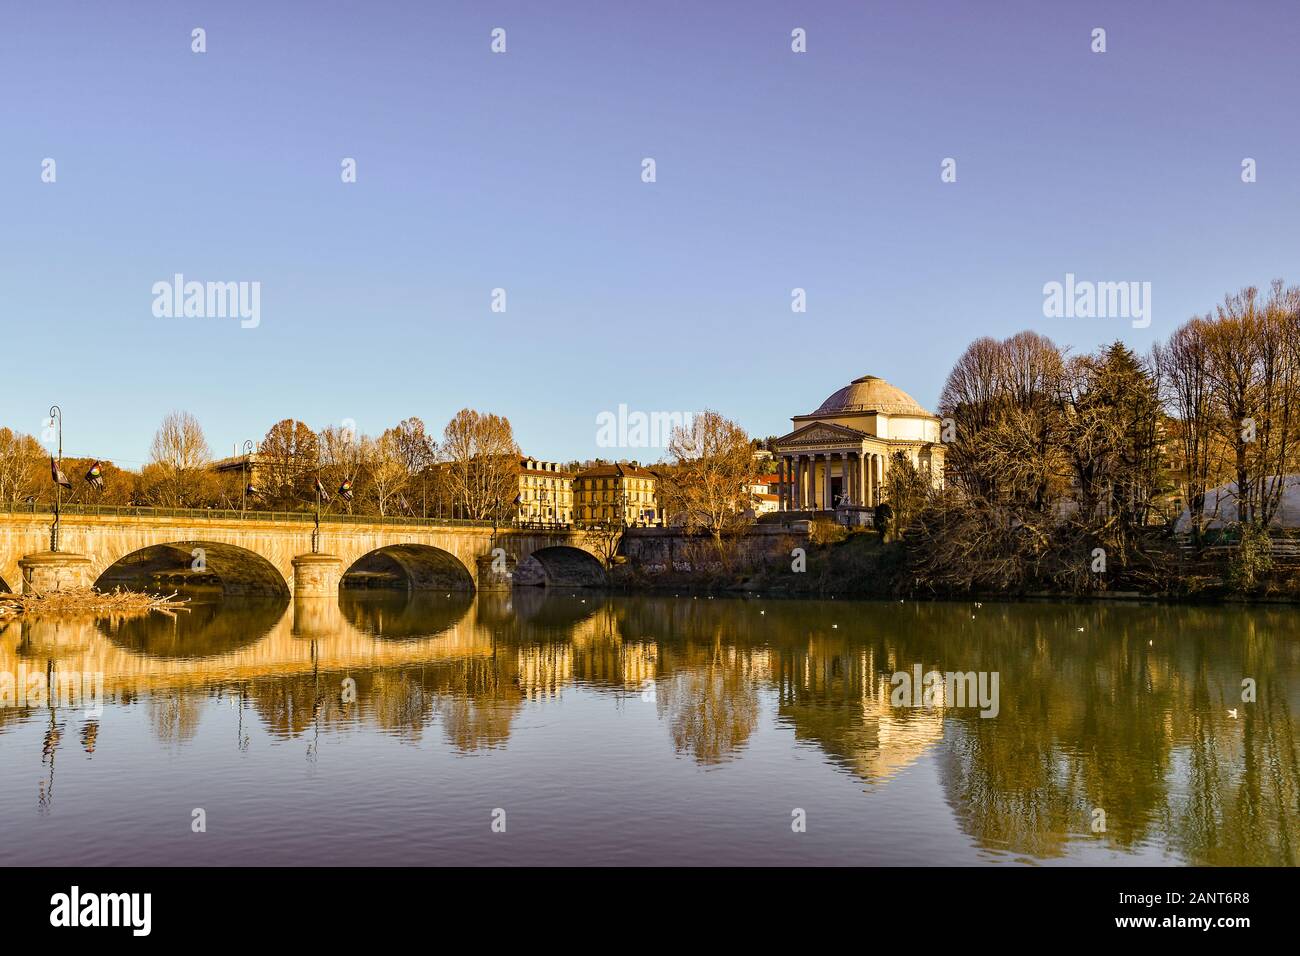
<point x="846" y="490"/>
<point x="826" y="482"/>
<point x="54" y="571"/>
<point x="317" y="575"/>
<point x="812" y="482"/>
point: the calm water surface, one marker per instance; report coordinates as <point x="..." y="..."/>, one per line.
<point x="654" y="730"/>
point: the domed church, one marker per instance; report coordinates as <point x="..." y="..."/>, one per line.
<point x="838" y="456"/>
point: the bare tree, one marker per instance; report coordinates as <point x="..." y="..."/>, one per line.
<point x="417" y="451"/>
<point x="713" y="473"/>
<point x="1185" y="391"/>
<point x="385" y="470"/>
<point x="340" y="457"/>
<point x="180" y="453"/>
<point x="22" y="463"/>
<point x="481" y="464"/>
<point x="287" y="461"/>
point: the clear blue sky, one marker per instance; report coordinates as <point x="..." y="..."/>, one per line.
<point x="522" y="171"/>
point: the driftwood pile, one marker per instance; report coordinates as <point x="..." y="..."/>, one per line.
<point x="87" y="601"/>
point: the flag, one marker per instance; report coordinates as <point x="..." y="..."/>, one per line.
<point x="95" y="477"/>
<point x="345" y="489"/>
<point x="320" y="490"/>
<point x="57" y="474"/>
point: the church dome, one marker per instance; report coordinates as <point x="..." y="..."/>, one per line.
<point x="872" y="394"/>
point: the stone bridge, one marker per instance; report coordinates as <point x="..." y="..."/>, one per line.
<point x="272" y="554"/>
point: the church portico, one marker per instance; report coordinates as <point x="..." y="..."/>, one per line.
<point x="838" y="456"/>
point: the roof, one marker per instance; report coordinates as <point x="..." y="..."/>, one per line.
<point x="616" y="471"/>
<point x="1220" y="509"/>
<point x="872" y="394"/>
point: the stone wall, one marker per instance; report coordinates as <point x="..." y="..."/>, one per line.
<point x="668" y="551"/>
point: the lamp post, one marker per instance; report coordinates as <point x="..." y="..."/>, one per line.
<point x="247" y="474"/>
<point x="315" y="534"/>
<point x="56" y="419"/>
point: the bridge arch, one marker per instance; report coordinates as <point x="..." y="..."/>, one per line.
<point x="417" y="567"/>
<point x="235" y="570"/>
<point x="560" y="566"/>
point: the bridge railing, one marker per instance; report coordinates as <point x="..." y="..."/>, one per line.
<point x="229" y="514"/>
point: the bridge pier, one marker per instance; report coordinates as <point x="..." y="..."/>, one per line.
<point x="317" y="575"/>
<point x="496" y="571"/>
<point x="54" y="571"/>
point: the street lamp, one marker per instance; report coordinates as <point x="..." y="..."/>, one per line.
<point x="320" y="490"/>
<point x="247" y="473"/>
<point x="56" y="419"/>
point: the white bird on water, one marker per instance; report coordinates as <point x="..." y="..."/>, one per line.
<point x="1233" y="713"/>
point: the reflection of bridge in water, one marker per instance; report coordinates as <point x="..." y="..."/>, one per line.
<point x="499" y="651"/>
<point x="1108" y="714"/>
<point x="191" y="649"/>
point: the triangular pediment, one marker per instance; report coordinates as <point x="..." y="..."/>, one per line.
<point x="821" y="433"/>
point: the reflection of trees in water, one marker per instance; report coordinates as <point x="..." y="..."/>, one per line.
<point x="203" y="630"/>
<point x="711" y="705"/>
<point x="475" y="700"/>
<point x="707" y="665"/>
<point x="1240" y="803"/>
<point x="1106" y="720"/>
<point x="174" y="716"/>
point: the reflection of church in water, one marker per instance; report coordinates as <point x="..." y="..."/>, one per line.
<point x="839" y="455"/>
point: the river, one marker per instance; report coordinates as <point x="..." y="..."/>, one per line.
<point x="574" y="727"/>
